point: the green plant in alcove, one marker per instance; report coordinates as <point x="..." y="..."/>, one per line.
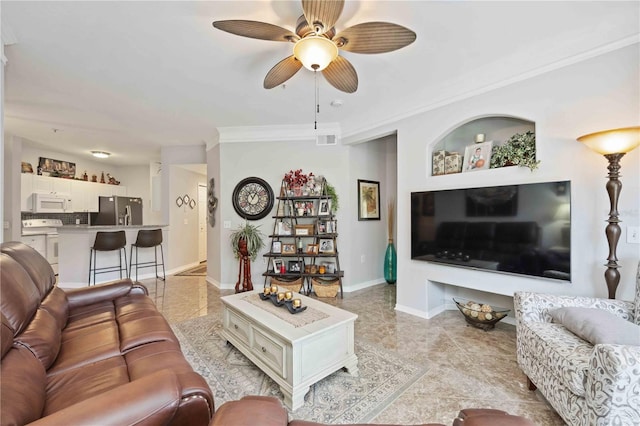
<point x="519" y="150"/>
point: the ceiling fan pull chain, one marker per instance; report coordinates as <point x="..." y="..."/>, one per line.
<point x="317" y="96"/>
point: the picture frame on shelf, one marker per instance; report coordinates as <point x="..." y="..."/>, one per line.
<point x="326" y="246"/>
<point x="368" y="200"/>
<point x="288" y="248"/>
<point x="276" y="247"/>
<point x="277" y="265"/>
<point x="331" y="227"/>
<point x="283" y="228"/>
<point x="295" y="266"/>
<point x="329" y="266"/>
<point x="303" y="229"/>
<point x="477" y="157"/>
<point x="324" y="207"/>
<point x="313" y="248"/>
<point x="321" y="227"/>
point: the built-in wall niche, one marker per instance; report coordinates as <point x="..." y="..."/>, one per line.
<point x="468" y="147"/>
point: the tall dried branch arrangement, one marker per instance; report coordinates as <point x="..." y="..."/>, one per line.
<point x="390" y="217"/>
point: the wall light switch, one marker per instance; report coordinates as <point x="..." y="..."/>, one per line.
<point x="6" y="224"/>
<point x="633" y="234"/>
<point x="362" y="258"/>
<point x="226" y="224"/>
<point x="186" y="221"/>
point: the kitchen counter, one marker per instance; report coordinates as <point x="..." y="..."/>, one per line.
<point x="75" y="241"/>
<point x="84" y="228"/>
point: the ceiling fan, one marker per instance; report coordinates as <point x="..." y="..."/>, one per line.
<point x="317" y="44"/>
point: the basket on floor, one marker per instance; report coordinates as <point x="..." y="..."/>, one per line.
<point x="292" y="285"/>
<point x="325" y="288"/>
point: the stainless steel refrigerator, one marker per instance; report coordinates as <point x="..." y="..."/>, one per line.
<point x="122" y="211"/>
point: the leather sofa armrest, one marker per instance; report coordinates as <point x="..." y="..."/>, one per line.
<point x="89" y="295"/>
<point x="248" y="410"/>
<point x="151" y="400"/>
<point x="489" y="417"/>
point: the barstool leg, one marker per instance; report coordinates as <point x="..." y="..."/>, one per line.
<point x="137" y="261"/>
<point x="130" y="261"/>
<point x="164" y="275"/>
<point x="90" y="258"/>
<point x="124" y="250"/>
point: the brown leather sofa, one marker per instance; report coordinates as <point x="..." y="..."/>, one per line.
<point x="100" y="355"/>
<point x="268" y="411"/>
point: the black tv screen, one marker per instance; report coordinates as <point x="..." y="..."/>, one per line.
<point x="520" y="229"/>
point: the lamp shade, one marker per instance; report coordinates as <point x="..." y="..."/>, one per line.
<point x="613" y="141"/>
<point x="315" y="52"/>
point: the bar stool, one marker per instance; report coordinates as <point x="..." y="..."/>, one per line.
<point x="108" y="241"/>
<point x="148" y="238"/>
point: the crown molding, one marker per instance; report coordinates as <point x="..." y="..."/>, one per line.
<point x="359" y="134"/>
<point x="296" y="132"/>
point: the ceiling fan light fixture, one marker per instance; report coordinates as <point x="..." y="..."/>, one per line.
<point x="100" y="154"/>
<point x="315" y="52"/>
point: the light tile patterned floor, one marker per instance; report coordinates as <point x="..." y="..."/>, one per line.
<point x="467" y="366"/>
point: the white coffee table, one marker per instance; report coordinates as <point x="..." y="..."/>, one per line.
<point x="296" y="351"/>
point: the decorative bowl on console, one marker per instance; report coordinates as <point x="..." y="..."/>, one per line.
<point x="480" y="315"/>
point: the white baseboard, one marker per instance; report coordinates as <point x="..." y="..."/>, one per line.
<point x="363" y="285"/>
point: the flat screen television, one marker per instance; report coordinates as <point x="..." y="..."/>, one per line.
<point x="520" y="229"/>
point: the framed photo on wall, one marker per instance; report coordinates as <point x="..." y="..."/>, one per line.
<point x="368" y="200"/>
<point x="477" y="157"/>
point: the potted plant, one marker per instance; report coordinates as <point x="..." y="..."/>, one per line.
<point x="519" y="150"/>
<point x="333" y="196"/>
<point x="251" y="235"/>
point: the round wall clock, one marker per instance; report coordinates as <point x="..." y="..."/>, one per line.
<point x="252" y="198"/>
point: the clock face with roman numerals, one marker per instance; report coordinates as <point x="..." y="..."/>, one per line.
<point x="252" y="198"/>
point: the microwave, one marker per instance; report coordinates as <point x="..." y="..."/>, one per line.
<point x="51" y="203"/>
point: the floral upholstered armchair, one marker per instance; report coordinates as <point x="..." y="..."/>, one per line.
<point x="589" y="380"/>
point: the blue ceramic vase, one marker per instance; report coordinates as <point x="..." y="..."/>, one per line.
<point x="390" y="263"/>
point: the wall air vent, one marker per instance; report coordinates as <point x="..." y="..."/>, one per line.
<point x="326" y="140"/>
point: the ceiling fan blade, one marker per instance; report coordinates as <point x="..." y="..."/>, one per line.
<point x="256" y="29"/>
<point x="281" y="72"/>
<point x="374" y="37"/>
<point x="341" y="75"/>
<point x="322" y="14"/>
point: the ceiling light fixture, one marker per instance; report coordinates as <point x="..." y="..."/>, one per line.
<point x="100" y="154"/>
<point x="315" y="52"/>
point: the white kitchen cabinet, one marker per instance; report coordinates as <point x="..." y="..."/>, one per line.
<point x="48" y="184"/>
<point x="26" y="189"/>
<point x="80" y="195"/>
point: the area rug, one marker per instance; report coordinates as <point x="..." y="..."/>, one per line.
<point x="198" y="271"/>
<point x="337" y="399"/>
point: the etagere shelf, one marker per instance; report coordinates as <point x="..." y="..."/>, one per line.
<point x="304" y="240"/>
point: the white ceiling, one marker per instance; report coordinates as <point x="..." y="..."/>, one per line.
<point x="130" y="77"/>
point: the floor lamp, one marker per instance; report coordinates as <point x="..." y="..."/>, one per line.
<point x="613" y="144"/>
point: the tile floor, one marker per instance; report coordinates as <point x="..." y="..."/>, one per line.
<point x="468" y="367"/>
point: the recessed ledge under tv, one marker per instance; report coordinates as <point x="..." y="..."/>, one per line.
<point x="522" y="229"/>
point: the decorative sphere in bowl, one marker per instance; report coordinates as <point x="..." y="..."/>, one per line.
<point x="480" y="315"/>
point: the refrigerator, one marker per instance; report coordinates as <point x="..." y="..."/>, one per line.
<point x="122" y="211"/>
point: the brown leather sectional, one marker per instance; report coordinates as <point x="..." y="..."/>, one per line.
<point x="104" y="355"/>
<point x="100" y="355"/>
<point x="270" y="412"/>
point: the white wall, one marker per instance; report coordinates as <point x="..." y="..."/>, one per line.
<point x="597" y="94"/>
<point x="183" y="223"/>
<point x="214" y="239"/>
<point x="375" y="161"/>
<point x="270" y="160"/>
<point x="138" y="182"/>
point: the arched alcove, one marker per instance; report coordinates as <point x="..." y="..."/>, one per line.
<point x="448" y="152"/>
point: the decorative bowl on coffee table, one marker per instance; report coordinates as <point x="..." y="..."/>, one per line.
<point x="480" y="315"/>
